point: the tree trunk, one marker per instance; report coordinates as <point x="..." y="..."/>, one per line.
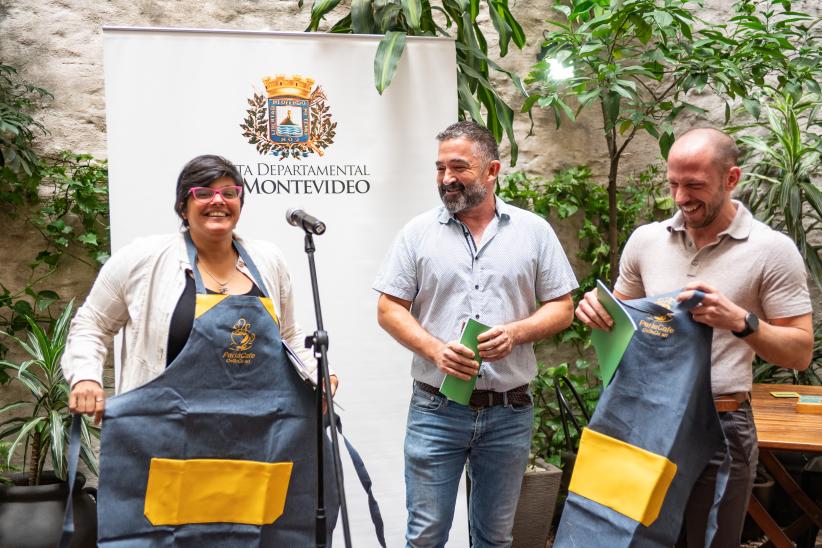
<point x="613" y="244"/>
<point x="34" y="460"/>
<point x="613" y="229"/>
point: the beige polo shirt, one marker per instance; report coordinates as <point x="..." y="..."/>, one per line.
<point x="756" y="267"/>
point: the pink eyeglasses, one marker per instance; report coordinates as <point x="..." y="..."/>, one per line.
<point x="205" y="193"/>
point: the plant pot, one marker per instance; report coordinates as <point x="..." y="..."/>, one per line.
<point x="535" y="508"/>
<point x="32" y="516"/>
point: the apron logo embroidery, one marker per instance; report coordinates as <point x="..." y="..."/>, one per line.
<point x="655" y="325"/>
<point x="242" y="339"/>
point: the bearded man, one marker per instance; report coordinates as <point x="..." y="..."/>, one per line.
<point x="756" y="300"/>
<point x="474" y="257"/>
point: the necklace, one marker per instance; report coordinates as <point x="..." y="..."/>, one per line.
<point x="223" y="285"/>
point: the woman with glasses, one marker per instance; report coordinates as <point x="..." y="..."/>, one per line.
<point x="148" y="288"/>
<point x="213" y="385"/>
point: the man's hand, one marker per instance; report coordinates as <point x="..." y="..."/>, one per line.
<point x="453" y="358"/>
<point x="591" y="312"/>
<point x="715" y="309"/>
<point x="88" y="397"/>
<point x="496" y="343"/>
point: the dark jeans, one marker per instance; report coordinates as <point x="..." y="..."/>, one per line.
<point x="740" y="432"/>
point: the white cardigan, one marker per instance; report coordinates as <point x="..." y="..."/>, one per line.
<point x="137" y="290"/>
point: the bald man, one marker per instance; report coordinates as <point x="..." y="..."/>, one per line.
<point x="757" y="303"/>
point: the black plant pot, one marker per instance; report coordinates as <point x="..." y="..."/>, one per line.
<point x="32" y="516"/>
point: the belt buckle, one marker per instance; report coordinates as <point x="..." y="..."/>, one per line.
<point x="480" y="405"/>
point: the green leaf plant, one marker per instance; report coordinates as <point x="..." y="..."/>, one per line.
<point x="64" y="197"/>
<point x="19" y="163"/>
<point x="43" y="433"/>
<point x="639" y="62"/>
<point x="396" y="19"/>
<point x="781" y="161"/>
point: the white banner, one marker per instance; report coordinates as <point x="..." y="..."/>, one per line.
<point x="361" y="162"/>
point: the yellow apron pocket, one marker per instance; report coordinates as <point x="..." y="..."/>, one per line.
<point x="213" y="490"/>
<point x="623" y="477"/>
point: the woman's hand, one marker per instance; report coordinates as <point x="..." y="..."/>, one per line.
<point x="87" y="397"/>
<point x="334" y="382"/>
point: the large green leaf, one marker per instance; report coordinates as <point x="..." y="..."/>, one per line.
<point x="501" y="25"/>
<point x="318" y="10"/>
<point x="58" y="436"/>
<point x="362" y="17"/>
<point x="388" y="56"/>
<point x="412" y="9"/>
<point x="467" y="101"/>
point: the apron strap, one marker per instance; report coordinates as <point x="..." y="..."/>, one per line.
<point x="73" y="459"/>
<point x="365" y="480"/>
<point x="251" y="266"/>
<point x="723" y="475"/>
<point x="192" y="260"/>
<point x="198" y="279"/>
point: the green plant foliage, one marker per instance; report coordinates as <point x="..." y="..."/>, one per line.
<point x="70" y="212"/>
<point x="396" y="19"/>
<point x="19" y="164"/>
<point x="781" y="160"/>
<point x="638" y="60"/>
<point x="572" y="192"/>
<point x="73" y="208"/>
<point x="44" y="432"/>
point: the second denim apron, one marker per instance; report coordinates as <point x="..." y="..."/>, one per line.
<point x="654" y="430"/>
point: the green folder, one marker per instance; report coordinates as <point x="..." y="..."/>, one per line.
<point x="611" y="345"/>
<point x="456" y="389"/>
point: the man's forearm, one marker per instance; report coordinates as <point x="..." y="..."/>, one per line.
<point x="395" y="318"/>
<point x="786" y="342"/>
<point x="549" y="319"/>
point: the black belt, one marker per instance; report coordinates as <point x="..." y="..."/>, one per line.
<point x="481" y="399"/>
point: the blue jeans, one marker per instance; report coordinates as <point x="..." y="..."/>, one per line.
<point x="440" y="436"/>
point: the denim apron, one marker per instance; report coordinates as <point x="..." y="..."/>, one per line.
<point x="203" y="454"/>
<point x="656" y="418"/>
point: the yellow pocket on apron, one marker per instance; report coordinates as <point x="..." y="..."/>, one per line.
<point x="623" y="477"/>
<point x="214" y="490"/>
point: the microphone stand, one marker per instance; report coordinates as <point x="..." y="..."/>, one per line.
<point x="319" y="342"/>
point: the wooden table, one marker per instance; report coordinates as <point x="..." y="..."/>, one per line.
<point x="780" y="427"/>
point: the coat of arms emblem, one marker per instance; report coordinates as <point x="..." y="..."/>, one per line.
<point x="291" y="121"/>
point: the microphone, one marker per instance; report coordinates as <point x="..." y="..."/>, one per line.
<point x="298" y="217"/>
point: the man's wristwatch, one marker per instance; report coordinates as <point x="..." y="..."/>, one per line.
<point x="751" y="325"/>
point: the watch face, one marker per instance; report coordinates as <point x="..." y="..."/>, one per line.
<point x="751" y="322"/>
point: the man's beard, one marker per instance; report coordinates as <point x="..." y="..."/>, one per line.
<point x="471" y="195"/>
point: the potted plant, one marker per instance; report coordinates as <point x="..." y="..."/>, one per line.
<point x="32" y="507"/>
<point x="543" y="480"/>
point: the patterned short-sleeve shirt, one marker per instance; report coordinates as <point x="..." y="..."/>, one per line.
<point x="435" y="263"/>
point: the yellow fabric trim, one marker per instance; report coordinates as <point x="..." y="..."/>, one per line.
<point x="214" y="490"/>
<point x="623" y="477"/>
<point x="206" y="303"/>
<point x="269" y="305"/>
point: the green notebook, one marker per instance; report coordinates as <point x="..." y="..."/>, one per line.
<point x="611" y="345"/>
<point x="456" y="389"/>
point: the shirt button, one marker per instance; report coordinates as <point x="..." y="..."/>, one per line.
<point x="477" y="316"/>
<point x="476" y="287"/>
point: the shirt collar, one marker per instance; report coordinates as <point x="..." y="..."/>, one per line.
<point x="502" y="211"/>
<point x="739" y="229"/>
